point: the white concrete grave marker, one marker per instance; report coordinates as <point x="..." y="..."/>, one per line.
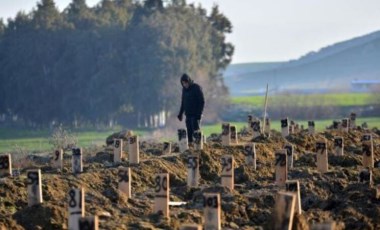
<point x="256" y="128"/>
<point x="124" y="177"/>
<point x="5" y="165"/>
<point x="167" y="149"/>
<point x="34" y="187"/>
<point x="190" y="227"/>
<point x="285" y="127"/>
<point x="193" y="171"/>
<point x="311" y="127"/>
<point x="367" y="149"/>
<point x="345" y="125"/>
<point x="322" y="157"/>
<point x="353" y="120"/>
<point x="212" y="211"/>
<point x="267" y="126"/>
<point x="338" y="146"/>
<point x="250" y="154"/>
<point x="281" y="167"/>
<point x="89" y="223"/>
<point x="76" y="160"/>
<point x="76" y="207"/>
<point x="228" y="165"/>
<point x="284" y="210"/>
<point x="365" y="176"/>
<point x="134" y="150"/>
<point x="118" y="150"/>
<point x="161" y="188"/>
<point x="182" y="140"/>
<point x="57" y="161"/>
<point x="226" y="136"/>
<point x="198" y="142"/>
<point x="289" y="153"/>
<point x="234" y="137"/>
<point x="294" y="186"/>
<point x="323" y="226"/>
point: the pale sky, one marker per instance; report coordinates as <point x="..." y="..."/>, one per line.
<point x="273" y="30"/>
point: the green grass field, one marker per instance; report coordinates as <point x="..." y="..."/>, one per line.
<point x="342" y="99"/>
<point x="35" y="141"/>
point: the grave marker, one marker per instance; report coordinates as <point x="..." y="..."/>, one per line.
<point x="322" y="157"/>
<point x="34" y="187"/>
<point x="250" y="154"/>
<point x="161" y="201"/>
<point x="367" y="148"/>
<point x="294" y="186"/>
<point x="117" y="150"/>
<point x="289" y="153"/>
<point x="198" y="142"/>
<point x="256" y="128"/>
<point x="311" y="127"/>
<point x="281" y="167"/>
<point x="227" y="175"/>
<point x="345" y="125"/>
<point x="353" y="120"/>
<point x="285" y="127"/>
<point x="192" y="171"/>
<point x="167" y="149"/>
<point x="267" y="126"/>
<point x="338" y="146"/>
<point x="212" y="211"/>
<point x="182" y="140"/>
<point x="336" y="125"/>
<point x="134" y="150"/>
<point x="76" y="160"/>
<point x="76" y="207"/>
<point x="234" y="137"/>
<point x="124" y="178"/>
<point x="284" y="210"/>
<point x="89" y="223"/>
<point x="226" y="136"/>
<point x="250" y="119"/>
<point x="57" y="161"/>
<point x="5" y="165"/>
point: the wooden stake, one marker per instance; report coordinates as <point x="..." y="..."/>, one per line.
<point x="77" y="160"/>
<point x="226" y="136"/>
<point x="182" y="140"/>
<point x="161" y="201"/>
<point x="338" y="146"/>
<point x="76" y="207"/>
<point x="57" y="161"/>
<point x="234" y="137"/>
<point x="134" y="150"/>
<point x="294" y="187"/>
<point x="118" y="150"/>
<point x="285" y="127"/>
<point x="289" y="154"/>
<point x="5" y="165"/>
<point x="193" y="171"/>
<point x="167" y="148"/>
<point x="281" y="167"/>
<point x="228" y="171"/>
<point x="250" y="154"/>
<point x="284" y="210"/>
<point x="322" y="157"/>
<point x="212" y="211"/>
<point x="198" y="142"/>
<point x="34" y="187"/>
<point x="89" y="223"/>
<point x="124" y="177"/>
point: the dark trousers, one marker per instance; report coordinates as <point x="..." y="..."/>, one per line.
<point x="192" y="124"/>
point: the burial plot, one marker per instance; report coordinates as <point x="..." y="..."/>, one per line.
<point x="285" y="127"/>
<point x="76" y="160"/>
<point x="134" y="150"/>
<point x="227" y="175"/>
<point x="124" y="177"/>
<point x="234" y="137"/>
<point x="5" y="165"/>
<point x="294" y="187"/>
<point x="322" y="157"/>
<point x="345" y="125"/>
<point x="290" y="155"/>
<point x="117" y="150"/>
<point x="353" y="120"/>
<point x="250" y="154"/>
<point x="256" y="128"/>
<point x="57" y="161"/>
<point x="281" y="170"/>
<point x="34" y="187"/>
<point x="212" y="211"/>
<point x="367" y="149"/>
<point x="182" y="140"/>
<point x="89" y="223"/>
<point x="365" y="177"/>
<point x="338" y="146"/>
<point x="198" y="142"/>
<point x="161" y="188"/>
<point x="167" y="148"/>
<point x="76" y="207"/>
<point x="284" y="210"/>
<point x="193" y="171"/>
<point x="311" y="127"/>
<point x="226" y="136"/>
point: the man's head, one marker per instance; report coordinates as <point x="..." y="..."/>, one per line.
<point x="186" y="81"/>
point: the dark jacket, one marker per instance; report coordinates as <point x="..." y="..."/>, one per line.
<point x="192" y="100"/>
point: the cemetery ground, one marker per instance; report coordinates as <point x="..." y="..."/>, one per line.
<point x="336" y="195"/>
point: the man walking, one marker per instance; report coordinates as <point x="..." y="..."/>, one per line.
<point x="192" y="105"/>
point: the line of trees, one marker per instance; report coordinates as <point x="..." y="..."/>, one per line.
<point x="118" y="61"/>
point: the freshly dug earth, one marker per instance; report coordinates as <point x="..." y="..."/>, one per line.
<point x="336" y="195"/>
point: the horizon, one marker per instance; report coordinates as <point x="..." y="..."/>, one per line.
<point x="272" y="31"/>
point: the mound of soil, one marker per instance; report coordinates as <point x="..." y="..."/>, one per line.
<point x="336" y="195"/>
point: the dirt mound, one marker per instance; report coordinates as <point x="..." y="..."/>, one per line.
<point x="336" y="195"/>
